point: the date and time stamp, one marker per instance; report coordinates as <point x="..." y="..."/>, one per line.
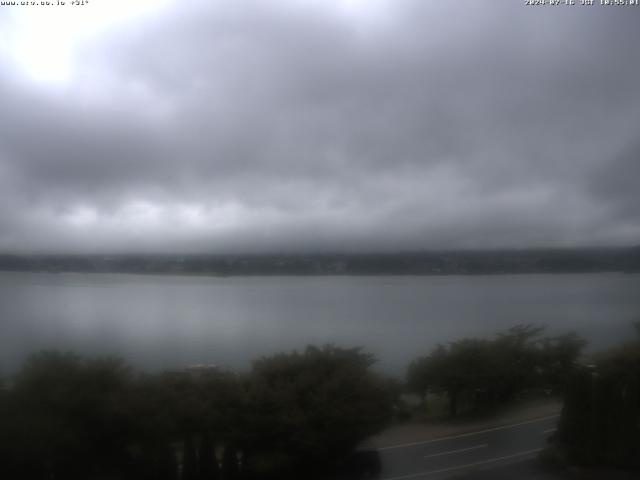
<point x="583" y="3"/>
<point x="528" y="3"/>
<point x="45" y="3"/>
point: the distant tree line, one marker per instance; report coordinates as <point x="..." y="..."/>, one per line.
<point x="579" y="260"/>
<point x="294" y="415"/>
<point x="479" y="374"/>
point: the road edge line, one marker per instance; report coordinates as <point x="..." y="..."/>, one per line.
<point x="468" y="434"/>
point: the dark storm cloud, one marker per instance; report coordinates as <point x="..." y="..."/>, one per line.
<point x="288" y="125"/>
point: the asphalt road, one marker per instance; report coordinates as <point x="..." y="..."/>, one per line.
<point x="451" y="456"/>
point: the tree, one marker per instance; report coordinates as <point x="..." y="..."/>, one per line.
<point x="189" y="459"/>
<point x="470" y="368"/>
<point x="518" y="360"/>
<point x="313" y="408"/>
<point x="75" y="418"/>
<point x="229" y="463"/>
<point x="66" y="417"/>
<point x="209" y="469"/>
<point x="557" y="358"/>
<point x="493" y="371"/>
<point x="600" y="421"/>
<point x="426" y="373"/>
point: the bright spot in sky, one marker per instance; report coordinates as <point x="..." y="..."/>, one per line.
<point x="81" y="217"/>
<point x="42" y="41"/>
<point x="354" y="4"/>
<point x="139" y="215"/>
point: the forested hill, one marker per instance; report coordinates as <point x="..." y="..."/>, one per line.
<point x="585" y="260"/>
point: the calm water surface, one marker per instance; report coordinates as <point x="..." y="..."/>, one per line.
<point x="168" y="321"/>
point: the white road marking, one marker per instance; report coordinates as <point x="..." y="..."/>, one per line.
<point x="550" y="430"/>
<point x="450" y="452"/>
<point x="463" y="435"/>
<point x="468" y="465"/>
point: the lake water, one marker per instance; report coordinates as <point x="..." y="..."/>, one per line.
<point x="157" y="322"/>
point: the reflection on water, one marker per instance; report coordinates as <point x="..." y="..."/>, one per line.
<point x="168" y="321"/>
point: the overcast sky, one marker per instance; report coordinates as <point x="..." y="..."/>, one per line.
<point x="286" y="125"/>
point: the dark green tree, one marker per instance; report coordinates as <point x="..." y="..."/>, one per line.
<point x="426" y="373"/>
<point x="490" y="372"/>
<point x="600" y="421"/>
<point x="67" y="418"/>
<point x="208" y="463"/>
<point x="312" y="408"/>
<point x="189" y="459"/>
<point x="557" y="359"/>
<point x="230" y="463"/>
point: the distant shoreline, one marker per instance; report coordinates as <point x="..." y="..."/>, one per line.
<point x="445" y="263"/>
<point x="316" y="275"/>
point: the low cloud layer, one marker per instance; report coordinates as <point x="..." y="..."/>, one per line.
<point x="307" y="125"/>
